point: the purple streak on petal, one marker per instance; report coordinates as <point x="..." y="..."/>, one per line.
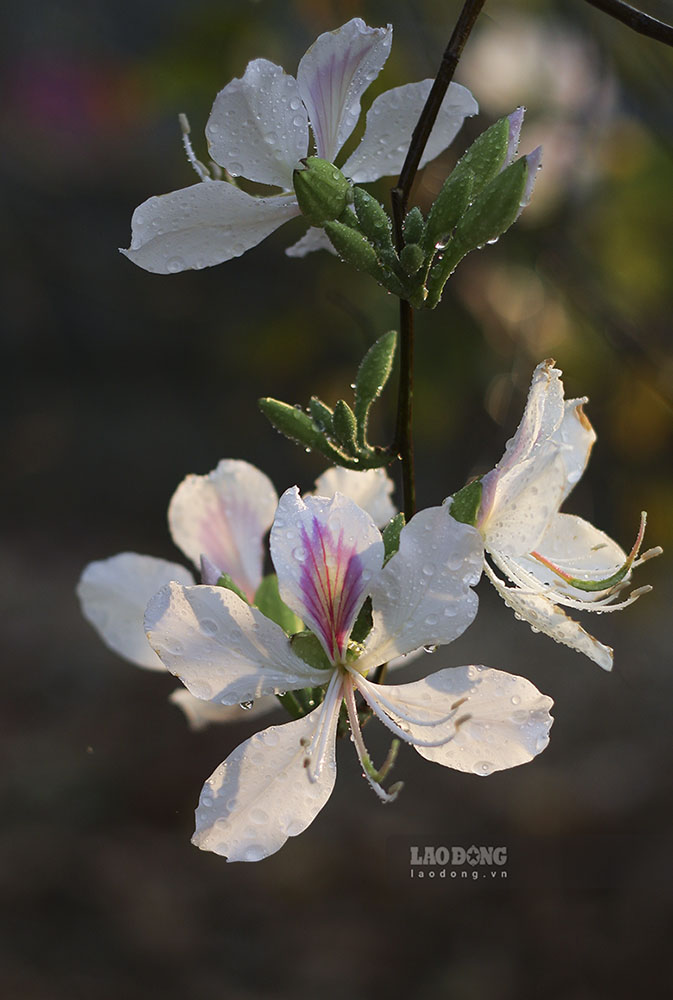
<point x="515" y="123"/>
<point x="332" y="585"/>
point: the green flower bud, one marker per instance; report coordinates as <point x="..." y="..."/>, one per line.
<point x="374" y="221"/>
<point x="412" y="257"/>
<point x="322" y="190"/>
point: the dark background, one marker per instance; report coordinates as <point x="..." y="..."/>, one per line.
<point x="117" y="383"/>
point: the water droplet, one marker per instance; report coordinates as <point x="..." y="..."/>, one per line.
<point x="258" y="816"/>
<point x="515" y="699"/>
<point x="254" y="852"/>
<point x="431" y="620"/>
<point x="246" y="705"/>
<point x="208" y="626"/>
<point x="482" y="767"/>
<point x="429" y="569"/>
<point x="299" y="554"/>
<point x="175" y="264"/>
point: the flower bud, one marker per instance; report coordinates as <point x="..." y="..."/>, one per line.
<point x="322" y="190"/>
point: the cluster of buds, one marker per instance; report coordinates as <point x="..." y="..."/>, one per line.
<point x="481" y="198"/>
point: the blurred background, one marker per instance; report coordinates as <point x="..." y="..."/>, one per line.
<point x="118" y="383"/>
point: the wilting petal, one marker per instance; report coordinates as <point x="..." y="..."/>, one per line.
<point x="508" y="722"/>
<point x="542" y="417"/>
<point x="261" y="794"/>
<point x="224" y="516"/>
<point x="325" y="553"/>
<point x="422" y="597"/>
<point x="370" y="490"/>
<point x="391" y="121"/>
<point x="333" y="75"/>
<point x="576" y="548"/>
<point x="221" y="648"/>
<point x="314" y="239"/>
<point x="258" y="126"/>
<point x="114" y="594"/>
<point x="202" y="225"/>
<point x="576" y="437"/>
<point x="545" y="616"/>
<point x="200" y="713"/>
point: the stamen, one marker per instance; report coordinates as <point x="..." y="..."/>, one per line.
<point x="361" y="683"/>
<point x="609" y="582"/>
<point x="373" y="776"/>
<point x="201" y="170"/>
<point x="372" y="700"/>
<point x="330" y="709"/>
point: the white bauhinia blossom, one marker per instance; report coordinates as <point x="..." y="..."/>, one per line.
<point x="329" y="557"/>
<point x="219" y="521"/>
<point x="258" y="129"/>
<point x="552" y="559"/>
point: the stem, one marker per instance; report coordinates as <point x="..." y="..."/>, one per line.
<point x="403" y="441"/>
<point x="636" y="19"/>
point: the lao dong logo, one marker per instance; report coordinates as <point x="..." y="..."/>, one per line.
<point x="458" y="862"/>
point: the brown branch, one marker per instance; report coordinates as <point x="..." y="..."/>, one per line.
<point x="636" y="19"/>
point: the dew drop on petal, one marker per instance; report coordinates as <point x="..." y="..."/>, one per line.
<point x="482" y="767"/>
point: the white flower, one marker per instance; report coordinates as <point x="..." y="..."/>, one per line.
<point x="328" y="555"/>
<point x="552" y="558"/>
<point x="259" y="129"/>
<point x="219" y="521"/>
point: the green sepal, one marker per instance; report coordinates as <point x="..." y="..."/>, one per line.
<point x="268" y="600"/>
<point x="496" y="208"/>
<point x="345" y="427"/>
<point x="322" y="415"/>
<point x="465" y="503"/>
<point x="322" y="190"/>
<point x="355" y="249"/>
<point x="227" y="582"/>
<point x="412" y="258"/>
<point x="307" y="646"/>
<point x="391" y="536"/>
<point x="414" y="226"/>
<point x="440" y="272"/>
<point x="486" y="156"/>
<point x="373" y="373"/>
<point x="363" y="623"/>
<point x="374" y="221"/>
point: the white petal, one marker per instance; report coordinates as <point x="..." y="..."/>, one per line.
<point x="508" y="722"/>
<point x="423" y="596"/>
<point x="545" y="616"/>
<point x="526" y="487"/>
<point x="258" y="126"/>
<point x="200" y="714"/>
<point x="221" y="648"/>
<point x="202" y="225"/>
<point x="325" y="553"/>
<point x="114" y="593"/>
<point x="334" y="74"/>
<point x="225" y="516"/>
<point x="575" y="438"/>
<point x="314" y="239"/>
<point x="261" y="794"/>
<point x="577" y="548"/>
<point x="371" y="490"/>
<point x="391" y="121"/>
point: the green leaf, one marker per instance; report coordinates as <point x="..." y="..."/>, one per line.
<point x="322" y="190"/>
<point x="373" y="373"/>
<point x="374" y="221"/>
<point x="269" y="602"/>
<point x="465" y="503"/>
<point x="345" y="427"/>
<point x="306" y="645"/>
<point x="391" y="536"/>
<point x="227" y="582"/>
<point x="363" y="623"/>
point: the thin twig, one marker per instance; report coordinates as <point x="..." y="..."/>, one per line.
<point x="403" y="442"/>
<point x="636" y="19"/>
